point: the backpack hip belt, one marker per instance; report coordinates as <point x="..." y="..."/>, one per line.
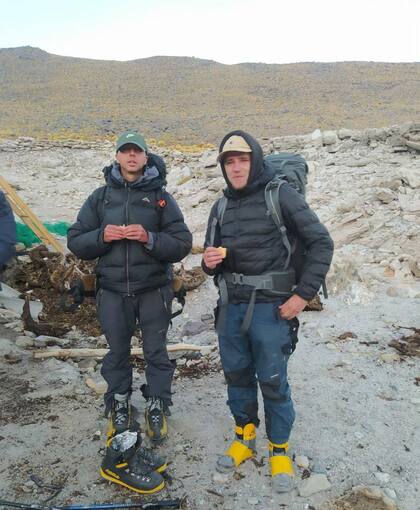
<point x="281" y="282"/>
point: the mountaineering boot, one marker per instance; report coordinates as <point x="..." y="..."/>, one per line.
<point x="146" y="456"/>
<point x="151" y="459"/>
<point x="120" y="415"/>
<point x="282" y="473"/>
<point x="242" y="448"/>
<point x="156" y="424"/>
<point x="123" y="466"/>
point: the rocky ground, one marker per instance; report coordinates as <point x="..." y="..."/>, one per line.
<point x="356" y="439"/>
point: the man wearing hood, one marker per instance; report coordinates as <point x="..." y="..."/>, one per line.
<point x="136" y="230"/>
<point x="260" y="298"/>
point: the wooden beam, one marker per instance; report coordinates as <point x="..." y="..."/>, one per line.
<point x="100" y="353"/>
<point x="21" y="209"/>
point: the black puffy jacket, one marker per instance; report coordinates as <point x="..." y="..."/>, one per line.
<point x="128" y="266"/>
<point x="253" y="242"/>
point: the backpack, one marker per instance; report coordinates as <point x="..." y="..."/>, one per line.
<point x="293" y="169"/>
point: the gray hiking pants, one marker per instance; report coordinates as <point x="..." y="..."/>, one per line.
<point x="119" y="316"/>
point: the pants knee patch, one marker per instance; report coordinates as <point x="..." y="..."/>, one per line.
<point x="271" y="389"/>
<point x="242" y="378"/>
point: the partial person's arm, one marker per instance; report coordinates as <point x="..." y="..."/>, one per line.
<point x="85" y="238"/>
<point x="174" y="240"/>
<point x="7" y="231"/>
<point x="210" y="254"/>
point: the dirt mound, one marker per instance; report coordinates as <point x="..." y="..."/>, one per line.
<point x="45" y="278"/>
<point x="408" y="345"/>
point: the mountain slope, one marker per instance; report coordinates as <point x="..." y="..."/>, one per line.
<point x="192" y="100"/>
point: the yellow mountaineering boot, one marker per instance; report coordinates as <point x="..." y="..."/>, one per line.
<point x="148" y="457"/>
<point x="125" y="465"/>
<point x="242" y="448"/>
<point x="281" y="466"/>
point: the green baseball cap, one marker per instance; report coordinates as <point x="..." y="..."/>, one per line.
<point x="131" y="137"/>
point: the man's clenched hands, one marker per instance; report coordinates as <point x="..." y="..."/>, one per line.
<point x="113" y="233"/>
<point x="136" y="233"/>
<point x="212" y="257"/>
<point x="292" y="307"/>
<point x="132" y="232"/>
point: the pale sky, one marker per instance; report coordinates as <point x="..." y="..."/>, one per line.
<point x="228" y="31"/>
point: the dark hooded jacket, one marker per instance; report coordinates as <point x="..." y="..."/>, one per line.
<point x="254" y="244"/>
<point x="7" y="231"/>
<point x="127" y="266"/>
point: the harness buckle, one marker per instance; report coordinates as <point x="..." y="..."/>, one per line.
<point x="238" y="278"/>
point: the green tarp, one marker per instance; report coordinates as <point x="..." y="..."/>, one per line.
<point x="28" y="238"/>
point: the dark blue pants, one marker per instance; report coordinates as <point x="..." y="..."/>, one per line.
<point x="259" y="355"/>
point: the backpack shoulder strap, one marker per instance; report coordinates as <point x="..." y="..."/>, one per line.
<point x="104" y="199"/>
<point x="271" y="194"/>
<point x="218" y="219"/>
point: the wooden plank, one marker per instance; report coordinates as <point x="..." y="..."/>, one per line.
<point x="100" y="353"/>
<point x="22" y="210"/>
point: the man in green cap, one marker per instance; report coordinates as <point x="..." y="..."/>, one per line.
<point x="136" y="230"/>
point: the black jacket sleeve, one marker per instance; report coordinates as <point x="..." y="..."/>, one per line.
<point x="174" y="240"/>
<point x="216" y="243"/>
<point x="319" y="246"/>
<point x="85" y="237"/>
<point x="7" y="231"/>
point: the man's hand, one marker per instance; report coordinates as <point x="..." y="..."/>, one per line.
<point x="212" y="257"/>
<point x="292" y="307"/>
<point x="113" y="233"/>
<point x="136" y="233"/>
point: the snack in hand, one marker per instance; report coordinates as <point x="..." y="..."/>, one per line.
<point x="222" y="251"/>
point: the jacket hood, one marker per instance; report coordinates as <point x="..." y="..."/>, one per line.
<point x="259" y="173"/>
<point x="154" y="175"/>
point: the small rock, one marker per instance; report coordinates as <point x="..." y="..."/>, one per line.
<point x="45" y="340"/>
<point x="87" y="363"/>
<point x="207" y="318"/>
<point x="192" y="328"/>
<point x="315" y="483"/>
<point x="221" y="477"/>
<point x="97" y="384"/>
<point x="253" y="501"/>
<point x="329" y="137"/>
<point x="319" y="468"/>
<point x="24" y="342"/>
<point x="385" y="195"/>
<point x="390" y="493"/>
<point x="7" y="316"/>
<point x="383" y="478"/>
<point x="389" y="357"/>
<point x="302" y="461"/>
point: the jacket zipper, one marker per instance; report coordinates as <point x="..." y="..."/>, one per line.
<point x="127" y="244"/>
